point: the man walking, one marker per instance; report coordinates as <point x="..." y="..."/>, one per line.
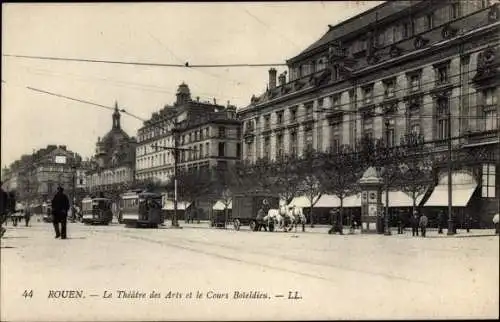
<point x="4" y="199"/>
<point x="414" y="224"/>
<point x="423" y="224"/>
<point x="60" y="207"/>
<point x="440" y="222"/>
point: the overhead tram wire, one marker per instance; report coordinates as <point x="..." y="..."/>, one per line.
<point x="163" y="128"/>
<point x="261" y="127"/>
<point x="187" y="64"/>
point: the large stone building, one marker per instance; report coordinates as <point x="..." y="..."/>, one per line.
<point x="35" y="177"/>
<point x="400" y="67"/>
<point x="114" y="161"/>
<point x="209" y="135"/>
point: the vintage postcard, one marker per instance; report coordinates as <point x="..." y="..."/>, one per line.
<point x="319" y="160"/>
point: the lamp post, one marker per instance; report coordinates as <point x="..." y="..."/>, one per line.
<point x="451" y="229"/>
<point x="387" y="231"/>
<point x="176" y="150"/>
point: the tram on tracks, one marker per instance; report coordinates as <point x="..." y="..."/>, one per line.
<point x="141" y="209"/>
<point x="96" y="211"/>
<point x="47" y="211"/>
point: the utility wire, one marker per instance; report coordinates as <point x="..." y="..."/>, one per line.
<point x="186" y="64"/>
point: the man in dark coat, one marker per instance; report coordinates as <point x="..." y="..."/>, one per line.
<point x="414" y="224"/>
<point x="440" y="222"/>
<point x="60" y="207"/>
<point x="4" y="200"/>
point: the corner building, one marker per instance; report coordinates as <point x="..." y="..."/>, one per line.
<point x="207" y="133"/>
<point x="400" y="67"/>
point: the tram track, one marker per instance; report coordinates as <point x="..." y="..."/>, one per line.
<point x="239" y="250"/>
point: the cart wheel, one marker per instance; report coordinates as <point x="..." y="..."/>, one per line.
<point x="237" y="224"/>
<point x="253" y="225"/>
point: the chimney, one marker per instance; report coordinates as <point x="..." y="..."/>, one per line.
<point x="282" y="78"/>
<point x="272" y="78"/>
<point x="215" y="101"/>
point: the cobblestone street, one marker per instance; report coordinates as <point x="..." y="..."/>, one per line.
<point x="350" y="276"/>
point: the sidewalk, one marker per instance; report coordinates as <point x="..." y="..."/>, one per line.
<point x="323" y="229"/>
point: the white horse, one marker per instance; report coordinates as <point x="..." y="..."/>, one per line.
<point x="297" y="217"/>
<point x="278" y="216"/>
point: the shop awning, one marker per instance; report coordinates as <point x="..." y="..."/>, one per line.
<point x="328" y="201"/>
<point x="301" y="202"/>
<point x="181" y="205"/>
<point x="401" y="199"/>
<point x="352" y="201"/>
<point x="463" y="186"/>
<point x="460" y="196"/>
<point x="220" y="205"/>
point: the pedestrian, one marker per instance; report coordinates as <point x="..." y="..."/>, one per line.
<point x="27" y="216"/>
<point x="468" y="222"/>
<point x="4" y="201"/>
<point x="414" y="223"/>
<point x="423" y="224"/>
<point x="440" y="221"/>
<point x="333" y="221"/>
<point x="496" y="223"/>
<point x="400" y="222"/>
<point x="60" y="207"/>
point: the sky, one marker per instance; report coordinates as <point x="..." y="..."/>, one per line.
<point x="169" y="33"/>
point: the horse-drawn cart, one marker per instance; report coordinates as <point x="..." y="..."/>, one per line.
<point x="249" y="209"/>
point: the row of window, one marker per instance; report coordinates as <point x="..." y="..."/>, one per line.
<point x="486" y="99"/>
<point x="109" y="178"/>
<point x="404" y="29"/>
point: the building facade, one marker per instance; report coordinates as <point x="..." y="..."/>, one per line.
<point x="207" y="134"/>
<point x="403" y="66"/>
<point x="35" y="177"/>
<point x="113" y="165"/>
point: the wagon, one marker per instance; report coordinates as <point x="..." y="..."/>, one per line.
<point x="246" y="206"/>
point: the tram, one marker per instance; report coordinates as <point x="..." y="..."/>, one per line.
<point x="47" y="211"/>
<point x="141" y="209"/>
<point x="96" y="211"/>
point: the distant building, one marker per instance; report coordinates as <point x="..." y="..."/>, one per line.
<point x="114" y="159"/>
<point x="211" y="132"/>
<point x="36" y="176"/>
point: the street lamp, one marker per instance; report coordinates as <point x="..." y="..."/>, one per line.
<point x="451" y="230"/>
<point x="387" y="231"/>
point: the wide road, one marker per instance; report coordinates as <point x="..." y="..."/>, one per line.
<point x="335" y="277"/>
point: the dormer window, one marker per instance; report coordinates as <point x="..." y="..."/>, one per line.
<point x="321" y="64"/>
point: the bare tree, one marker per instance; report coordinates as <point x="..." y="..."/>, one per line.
<point x="309" y="173"/>
<point x="416" y="175"/>
<point x="342" y="171"/>
<point x="287" y="177"/>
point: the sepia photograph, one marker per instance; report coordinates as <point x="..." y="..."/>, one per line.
<point x="250" y="161"/>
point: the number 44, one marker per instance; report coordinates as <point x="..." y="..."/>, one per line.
<point x="28" y="293"/>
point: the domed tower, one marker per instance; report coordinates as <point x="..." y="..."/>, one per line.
<point x="183" y="94"/>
